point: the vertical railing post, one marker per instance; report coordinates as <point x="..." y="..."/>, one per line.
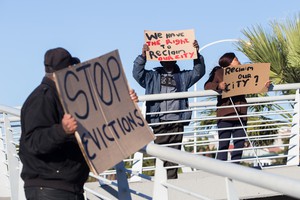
<point x="13" y="161"/>
<point x="160" y="192"/>
<point x="137" y="166"/>
<point x="293" y="152"/>
<point x="230" y="188"/>
<point x="123" y="186"/>
<point x="195" y="132"/>
<point x="4" y="178"/>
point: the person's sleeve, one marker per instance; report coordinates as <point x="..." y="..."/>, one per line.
<point x="138" y="71"/>
<point x="199" y="66"/>
<point x="43" y="132"/>
<point x="213" y="84"/>
<point x="192" y="76"/>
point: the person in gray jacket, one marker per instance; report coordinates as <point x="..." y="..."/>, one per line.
<point x="168" y="78"/>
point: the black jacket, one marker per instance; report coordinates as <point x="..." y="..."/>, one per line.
<point x="50" y="157"/>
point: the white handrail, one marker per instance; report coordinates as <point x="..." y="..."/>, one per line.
<point x="208" y="93"/>
<point x="252" y="176"/>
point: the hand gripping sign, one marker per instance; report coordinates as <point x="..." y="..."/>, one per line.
<point x="110" y="125"/>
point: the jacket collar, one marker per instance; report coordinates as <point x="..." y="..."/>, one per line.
<point x="162" y="71"/>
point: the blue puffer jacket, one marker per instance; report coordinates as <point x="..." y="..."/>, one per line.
<point x="150" y="80"/>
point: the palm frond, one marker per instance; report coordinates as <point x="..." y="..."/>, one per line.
<point x="279" y="46"/>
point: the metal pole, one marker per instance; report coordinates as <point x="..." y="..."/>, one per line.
<point x="294" y="150"/>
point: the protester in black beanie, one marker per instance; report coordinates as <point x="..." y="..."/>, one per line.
<point x="53" y="165"/>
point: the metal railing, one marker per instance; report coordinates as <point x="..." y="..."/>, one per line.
<point x="10" y="181"/>
<point x="272" y="138"/>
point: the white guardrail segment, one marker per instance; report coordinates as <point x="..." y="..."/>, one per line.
<point x="273" y="141"/>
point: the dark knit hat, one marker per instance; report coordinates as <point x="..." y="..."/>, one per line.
<point x="58" y="58"/>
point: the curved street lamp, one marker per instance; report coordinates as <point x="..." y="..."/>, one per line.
<point x="213" y="43"/>
<point x="218" y="41"/>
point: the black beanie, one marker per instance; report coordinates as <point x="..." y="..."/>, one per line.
<point x="58" y="58"/>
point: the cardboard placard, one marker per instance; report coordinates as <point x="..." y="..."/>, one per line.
<point x="110" y="125"/>
<point x="170" y="45"/>
<point x="246" y="79"/>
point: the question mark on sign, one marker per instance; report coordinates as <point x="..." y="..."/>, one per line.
<point x="256" y="79"/>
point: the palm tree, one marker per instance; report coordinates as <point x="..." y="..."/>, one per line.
<point x="280" y="47"/>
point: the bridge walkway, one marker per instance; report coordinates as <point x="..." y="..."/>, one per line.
<point x="201" y="182"/>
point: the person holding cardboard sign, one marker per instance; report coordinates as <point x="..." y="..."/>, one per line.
<point x="53" y="164"/>
<point x="234" y="117"/>
<point x="167" y="79"/>
<point x="215" y="82"/>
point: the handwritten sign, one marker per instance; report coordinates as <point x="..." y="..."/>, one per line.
<point x="246" y="79"/>
<point x="170" y="45"/>
<point x="110" y="125"/>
